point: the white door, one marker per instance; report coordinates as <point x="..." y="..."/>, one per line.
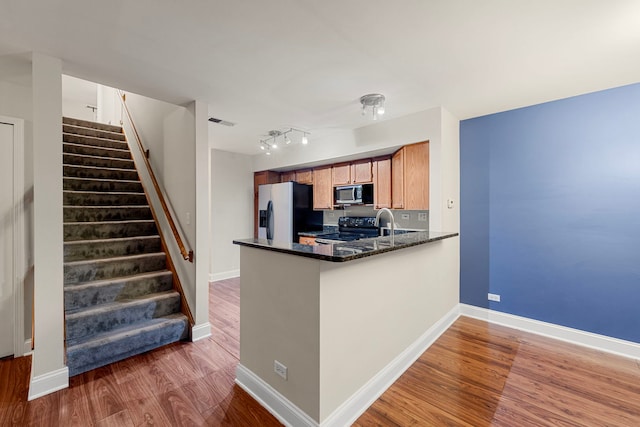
<point x="6" y="240"/>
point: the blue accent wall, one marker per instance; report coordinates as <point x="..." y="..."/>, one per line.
<point x="550" y="212"/>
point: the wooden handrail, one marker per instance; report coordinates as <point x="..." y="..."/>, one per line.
<point x="186" y="254"/>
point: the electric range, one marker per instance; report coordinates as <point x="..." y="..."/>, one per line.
<point x="351" y="228"/>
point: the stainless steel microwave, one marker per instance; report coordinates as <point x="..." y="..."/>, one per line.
<point x="359" y="194"/>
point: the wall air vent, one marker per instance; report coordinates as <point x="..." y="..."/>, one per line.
<point x="221" y="122"/>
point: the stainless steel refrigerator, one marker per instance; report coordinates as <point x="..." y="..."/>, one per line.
<point x="285" y="209"/>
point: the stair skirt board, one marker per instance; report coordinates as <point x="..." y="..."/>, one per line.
<point x="113" y="290"/>
<point x="119" y="296"/>
<point x="128" y="342"/>
<point x="80" y="250"/>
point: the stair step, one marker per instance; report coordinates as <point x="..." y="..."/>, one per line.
<point x="109" y="291"/>
<point x="78" y="171"/>
<point x="94" y="142"/>
<point x="74" y="231"/>
<point x="97" y="133"/>
<point x="88" y="150"/>
<point x="101" y="162"/>
<point x="97" y="185"/>
<point x="88" y="124"/>
<point x="126" y="342"/>
<point x="91" y="198"/>
<point x="80" y="250"/>
<point x="80" y="272"/>
<point x="111" y="316"/>
<point x="105" y="213"/>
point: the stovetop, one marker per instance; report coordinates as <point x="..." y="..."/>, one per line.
<point x="352" y="228"/>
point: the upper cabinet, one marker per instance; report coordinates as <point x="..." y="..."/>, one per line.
<point x="288" y="176"/>
<point x="381" y="168"/>
<point x="357" y="172"/>
<point x="322" y="188"/>
<point x="410" y="177"/>
<point x="304" y="176"/>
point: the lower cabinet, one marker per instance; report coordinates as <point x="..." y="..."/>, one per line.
<point x="307" y="240"/>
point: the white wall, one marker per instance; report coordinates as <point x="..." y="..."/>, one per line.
<point x="16" y="100"/>
<point x="77" y="94"/>
<point x="232" y="210"/>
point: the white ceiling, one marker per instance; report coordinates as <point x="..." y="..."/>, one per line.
<point x="305" y="63"/>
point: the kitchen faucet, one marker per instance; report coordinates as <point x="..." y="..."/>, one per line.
<point x="391" y="220"/>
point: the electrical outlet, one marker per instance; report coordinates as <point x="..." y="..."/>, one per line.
<point x="493" y="297"/>
<point x="188" y="218"/>
<point x="450" y="203"/>
<point x="405" y="216"/>
<point x="280" y="369"/>
<point x="422" y="216"/>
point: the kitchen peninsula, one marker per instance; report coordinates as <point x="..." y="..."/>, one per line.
<point x="340" y="320"/>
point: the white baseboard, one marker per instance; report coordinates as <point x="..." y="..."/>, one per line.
<point x="563" y="333"/>
<point x="27" y="347"/>
<point x="279" y="406"/>
<point x="347" y="413"/>
<point x="42" y="385"/>
<point x="224" y="275"/>
<point x="200" y="332"/>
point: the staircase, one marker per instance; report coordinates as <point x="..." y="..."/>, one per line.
<point x="119" y="296"/>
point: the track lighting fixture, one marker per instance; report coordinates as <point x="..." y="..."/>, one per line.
<point x="375" y="101"/>
<point x="271" y="142"/>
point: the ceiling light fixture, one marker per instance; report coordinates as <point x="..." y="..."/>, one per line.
<point x="375" y="101"/>
<point x="271" y="142"/>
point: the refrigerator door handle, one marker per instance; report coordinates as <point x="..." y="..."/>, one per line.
<point x="270" y="220"/>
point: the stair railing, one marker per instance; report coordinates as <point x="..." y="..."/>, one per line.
<point x="187" y="254"/>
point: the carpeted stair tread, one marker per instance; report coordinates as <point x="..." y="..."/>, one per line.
<point x="81" y="171"/>
<point x="111" y="347"/>
<point x="118" y="289"/>
<point x="103" y="162"/>
<point x="98" y="184"/>
<point x="80" y="272"/>
<point x="103" y="198"/>
<point x="91" y="321"/>
<point x="91" y="150"/>
<point x="93" y="141"/>
<point x="87" y="124"/>
<point x="83" y="250"/>
<point x="106" y="213"/>
<point x="97" y="133"/>
<point x="74" y="231"/>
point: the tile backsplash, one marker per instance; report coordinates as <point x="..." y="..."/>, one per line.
<point x="403" y="218"/>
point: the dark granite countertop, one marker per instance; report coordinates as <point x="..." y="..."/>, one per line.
<point x="348" y="251"/>
<point x="328" y="229"/>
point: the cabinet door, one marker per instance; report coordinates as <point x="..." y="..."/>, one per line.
<point x="288" y="176"/>
<point x="304" y="176"/>
<point x="397" y="179"/>
<point x="361" y="172"/>
<point x="416" y="176"/>
<point x="382" y="182"/>
<point x="307" y="240"/>
<point x="341" y="174"/>
<point x="322" y="188"/>
<point x="259" y="178"/>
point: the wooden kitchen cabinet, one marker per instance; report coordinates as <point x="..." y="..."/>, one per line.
<point x="361" y="172"/>
<point x="288" y="176"/>
<point x="304" y="176"/>
<point x="381" y="171"/>
<point x="410" y="177"/>
<point x="259" y="178"/>
<point x="341" y="174"/>
<point x="307" y="240"/>
<point x="322" y="188"/>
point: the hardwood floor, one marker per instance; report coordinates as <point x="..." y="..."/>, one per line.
<point x="475" y="374"/>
